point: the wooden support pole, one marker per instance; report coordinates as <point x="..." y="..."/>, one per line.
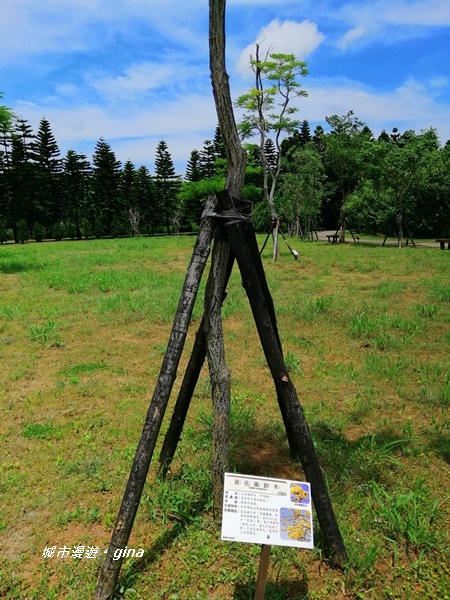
<point x="266" y="240"/>
<point x="187" y="388"/>
<point x="130" y="503"/>
<point x="291" y="250"/>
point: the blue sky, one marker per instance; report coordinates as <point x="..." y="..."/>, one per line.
<point x="136" y="71"/>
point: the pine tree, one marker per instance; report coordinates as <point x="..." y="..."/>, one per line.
<point x="24" y="174"/>
<point x="319" y="138"/>
<point x="208" y="160"/>
<point x="75" y="191"/>
<point x="127" y="181"/>
<point x="305" y="133"/>
<point x="167" y="184"/>
<point x="6" y="196"/>
<point x="144" y="195"/>
<point x="48" y="172"/>
<point x="193" y="167"/>
<point x="212" y="157"/>
<point x="105" y="188"/>
<point x="219" y="148"/>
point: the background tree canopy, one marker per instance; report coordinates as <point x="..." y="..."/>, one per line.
<point x="323" y="176"/>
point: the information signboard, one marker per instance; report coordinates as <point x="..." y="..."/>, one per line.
<point x="262" y="510"/>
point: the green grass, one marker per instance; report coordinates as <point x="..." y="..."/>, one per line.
<point x="365" y="333"/>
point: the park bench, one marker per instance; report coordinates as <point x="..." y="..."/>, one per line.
<point x="334" y="238"/>
<point x="444" y="241"/>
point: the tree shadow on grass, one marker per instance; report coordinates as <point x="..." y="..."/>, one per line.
<point x="280" y="590"/>
<point x="440" y="444"/>
<point x="352" y="462"/>
<point x="179" y="515"/>
<point x="130" y="571"/>
<point x="368" y="458"/>
<point x="12" y="267"/>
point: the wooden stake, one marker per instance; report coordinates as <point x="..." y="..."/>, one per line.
<point x="187" y="388"/>
<point x="262" y="572"/>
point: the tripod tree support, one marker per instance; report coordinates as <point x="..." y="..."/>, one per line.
<point x="236" y="172"/>
<point x="243" y="245"/>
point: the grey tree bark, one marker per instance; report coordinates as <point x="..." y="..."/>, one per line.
<point x="236" y="158"/>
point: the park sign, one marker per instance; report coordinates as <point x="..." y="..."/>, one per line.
<point x="262" y="510"/>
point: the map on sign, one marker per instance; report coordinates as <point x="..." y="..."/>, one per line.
<point x="262" y="510"/>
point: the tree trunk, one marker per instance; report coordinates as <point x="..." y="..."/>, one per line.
<point x="234" y="152"/>
<point x="276" y="243"/>
<point x="236" y="159"/>
<point x="218" y="370"/>
<point x="400" y="227"/>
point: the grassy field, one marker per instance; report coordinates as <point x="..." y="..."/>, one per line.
<point x="366" y="335"/>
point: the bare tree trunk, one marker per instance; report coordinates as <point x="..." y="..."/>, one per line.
<point x="236" y="158"/>
<point x="276" y="243"/>
<point x="235" y="154"/>
<point x="400" y="227"/>
<point x="218" y="370"/>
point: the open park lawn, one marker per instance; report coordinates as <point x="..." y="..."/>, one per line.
<point x="366" y="335"/>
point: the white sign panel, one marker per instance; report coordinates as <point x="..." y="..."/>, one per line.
<point x="262" y="510"/>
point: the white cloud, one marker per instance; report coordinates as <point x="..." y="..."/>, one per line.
<point x="402" y="17"/>
<point x="137" y="80"/>
<point x="170" y="74"/>
<point x="404" y="12"/>
<point x="287" y="37"/>
<point x="28" y="27"/>
<point x="67" y="89"/>
<point x="412" y="105"/>
<point x="181" y="122"/>
<point x="352" y="36"/>
<point x="440" y="83"/>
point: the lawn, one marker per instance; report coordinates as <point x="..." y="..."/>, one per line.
<point x="366" y="335"/>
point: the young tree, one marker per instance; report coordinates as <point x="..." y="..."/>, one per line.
<point x="342" y="148"/>
<point x="302" y="190"/>
<point x="167" y="184"/>
<point x="276" y="84"/>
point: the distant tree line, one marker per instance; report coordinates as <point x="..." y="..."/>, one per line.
<point x="342" y="175"/>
